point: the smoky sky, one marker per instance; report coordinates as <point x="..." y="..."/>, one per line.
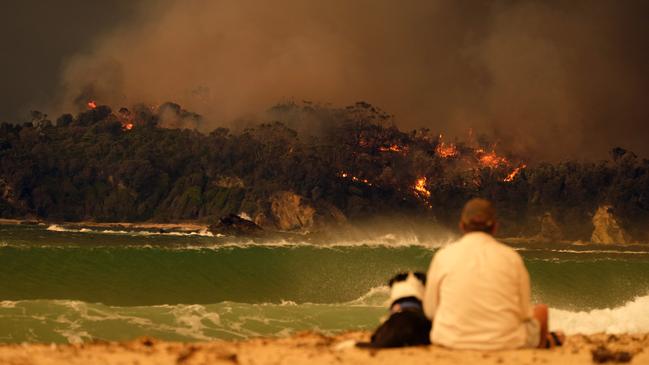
<point x="550" y="80"/>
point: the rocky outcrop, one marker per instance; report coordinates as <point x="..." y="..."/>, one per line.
<point x="550" y="230"/>
<point x="291" y="212"/>
<point x="234" y="225"/>
<point x="607" y="228"/>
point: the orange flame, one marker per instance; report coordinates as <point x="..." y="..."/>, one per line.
<point x="92" y="104"/>
<point x="514" y="173"/>
<point x="346" y="175"/>
<point x="420" y="187"/>
<point x="127" y="126"/>
<point x="363" y="142"/>
<point x="490" y="159"/>
<point x="445" y="150"/>
<point x="393" y="148"/>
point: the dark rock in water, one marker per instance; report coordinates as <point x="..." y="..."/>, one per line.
<point x="233" y="225"/>
<point x="550" y="230"/>
<point x="30" y="223"/>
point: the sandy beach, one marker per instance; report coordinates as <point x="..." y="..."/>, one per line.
<point x="315" y="349"/>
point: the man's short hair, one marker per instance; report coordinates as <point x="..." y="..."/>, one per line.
<point x="478" y="215"/>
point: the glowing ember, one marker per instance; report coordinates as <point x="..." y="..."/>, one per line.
<point x="127" y="126"/>
<point x="346" y="175"/>
<point x="445" y="150"/>
<point x="490" y="159"/>
<point x="92" y="104"/>
<point x="514" y="173"/>
<point x="420" y="187"/>
<point x="393" y="148"/>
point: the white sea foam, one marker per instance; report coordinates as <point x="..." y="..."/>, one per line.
<point x="387" y="240"/>
<point x="203" y="232"/>
<point x="8" y="304"/>
<point x="585" y="252"/>
<point x="191" y="317"/>
<point x="287" y="303"/>
<point x="602" y="251"/>
<point x="632" y="317"/>
<point x="57" y="228"/>
<point x="376" y="296"/>
<point x="372" y="243"/>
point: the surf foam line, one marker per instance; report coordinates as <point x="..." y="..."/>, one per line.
<point x="202" y="233"/>
<point x="632" y="317"/>
<point x="226" y="242"/>
<point x="75" y="321"/>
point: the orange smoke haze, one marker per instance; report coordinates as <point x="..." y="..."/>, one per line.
<point x="546" y="79"/>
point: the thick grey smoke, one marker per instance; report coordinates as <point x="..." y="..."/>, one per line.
<point x="548" y="79"/>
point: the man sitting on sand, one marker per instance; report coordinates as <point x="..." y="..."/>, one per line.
<point x="478" y="291"/>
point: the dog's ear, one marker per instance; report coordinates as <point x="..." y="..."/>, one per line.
<point x="399" y="277"/>
<point x="421" y="276"/>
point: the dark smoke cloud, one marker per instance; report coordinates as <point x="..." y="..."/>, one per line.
<point x="547" y="79"/>
<point x="37" y="37"/>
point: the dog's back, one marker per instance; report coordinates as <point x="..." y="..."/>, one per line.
<point x="405" y="328"/>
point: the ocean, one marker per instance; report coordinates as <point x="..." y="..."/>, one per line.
<point x="74" y="285"/>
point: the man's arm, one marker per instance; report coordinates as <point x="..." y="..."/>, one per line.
<point x="524" y="291"/>
<point x="433" y="280"/>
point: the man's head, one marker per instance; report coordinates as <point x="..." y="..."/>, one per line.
<point x="478" y="215"/>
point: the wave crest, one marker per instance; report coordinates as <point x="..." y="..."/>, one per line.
<point x="203" y="232"/>
<point x="632" y="317"/>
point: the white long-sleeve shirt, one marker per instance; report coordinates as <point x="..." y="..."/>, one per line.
<point x="478" y="295"/>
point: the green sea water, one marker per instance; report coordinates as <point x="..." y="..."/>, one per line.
<point x="59" y="285"/>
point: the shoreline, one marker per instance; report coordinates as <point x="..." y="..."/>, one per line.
<point x="177" y="226"/>
<point x="196" y="226"/>
<point x="315" y="349"/>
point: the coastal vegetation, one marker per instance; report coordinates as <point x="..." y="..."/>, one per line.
<point x="308" y="167"/>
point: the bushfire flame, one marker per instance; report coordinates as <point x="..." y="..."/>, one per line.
<point x="420" y="187"/>
<point x="393" y="148"/>
<point x="514" y="173"/>
<point x="445" y="150"/>
<point x="490" y="159"/>
<point x="346" y="175"/>
<point x="92" y="104"/>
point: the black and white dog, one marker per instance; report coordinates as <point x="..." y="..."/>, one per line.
<point x="407" y="324"/>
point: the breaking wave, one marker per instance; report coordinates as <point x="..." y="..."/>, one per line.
<point x="632" y="317"/>
<point x="202" y="232"/>
<point x="76" y="321"/>
<point x="77" y="285"/>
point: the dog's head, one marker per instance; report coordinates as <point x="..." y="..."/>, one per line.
<point x="407" y="285"/>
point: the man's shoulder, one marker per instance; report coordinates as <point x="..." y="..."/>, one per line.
<point x="494" y="244"/>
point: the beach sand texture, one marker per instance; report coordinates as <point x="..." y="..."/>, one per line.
<point x="313" y="349"/>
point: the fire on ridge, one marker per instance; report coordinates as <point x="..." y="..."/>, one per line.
<point x="469" y="157"/>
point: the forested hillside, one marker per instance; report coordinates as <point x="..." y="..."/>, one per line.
<point x="333" y="165"/>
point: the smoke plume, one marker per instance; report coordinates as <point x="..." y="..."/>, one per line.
<point x="547" y="79"/>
